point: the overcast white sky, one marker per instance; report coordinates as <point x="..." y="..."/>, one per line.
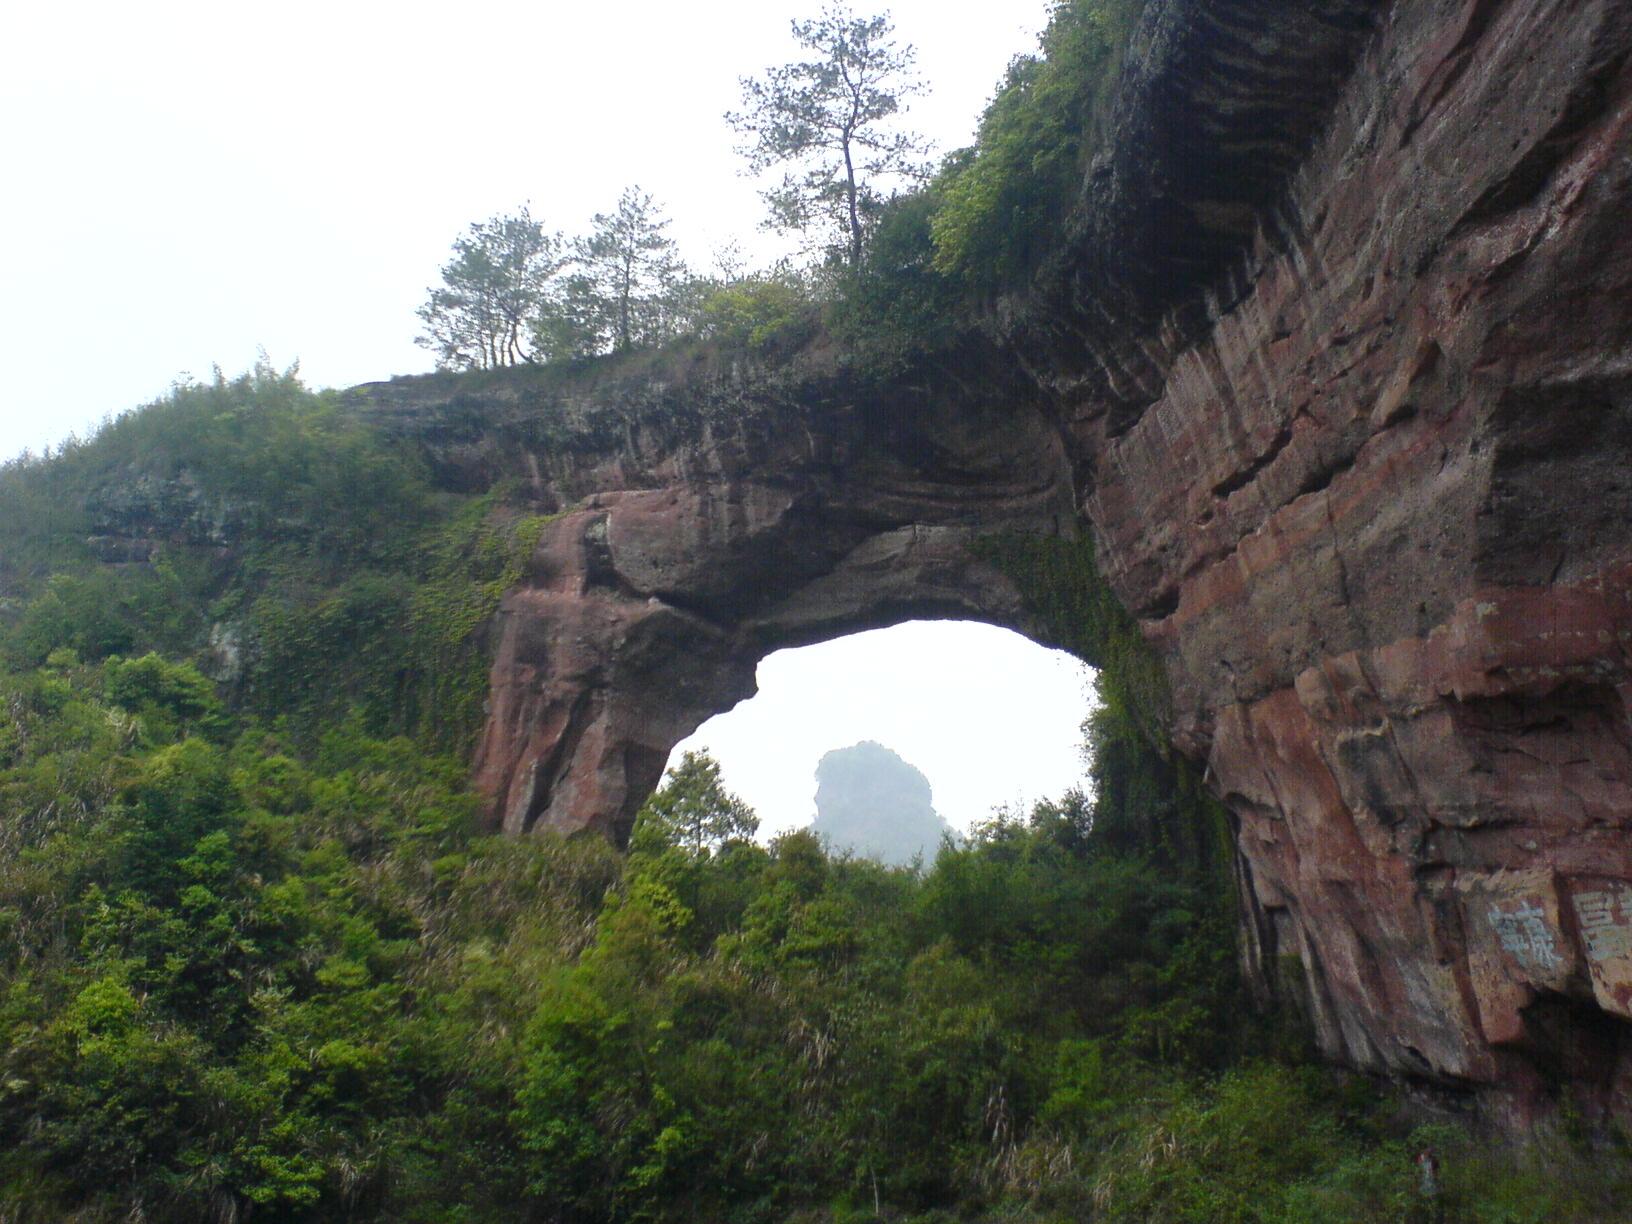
<point x="188" y="181"/>
<point x="991" y="718"/>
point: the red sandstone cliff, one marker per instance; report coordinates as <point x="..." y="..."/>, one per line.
<point x="1336" y="365"/>
<point x="1378" y="520"/>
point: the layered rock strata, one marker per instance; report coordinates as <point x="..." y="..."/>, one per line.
<point x="702" y="523"/>
<point x="1378" y="520"/>
<point x="1336" y="365"/>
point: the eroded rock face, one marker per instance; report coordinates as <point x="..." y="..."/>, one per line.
<point x="1337" y="368"/>
<point x="1378" y="518"/>
<point x="872" y="803"/>
<point x="739" y="514"/>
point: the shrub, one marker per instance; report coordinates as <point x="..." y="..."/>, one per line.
<point x="1003" y="200"/>
<point x="756" y="312"/>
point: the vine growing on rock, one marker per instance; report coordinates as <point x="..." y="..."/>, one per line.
<point x="1146" y="798"/>
<point x="1002" y="201"/>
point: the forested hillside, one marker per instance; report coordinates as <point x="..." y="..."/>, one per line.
<point x="259" y="960"/>
<point x="256" y="961"/>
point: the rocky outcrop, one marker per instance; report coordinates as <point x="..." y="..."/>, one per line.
<point x="872" y="803"/>
<point x="708" y="516"/>
<point x="1336" y="365"/>
<point x="1377" y="518"/>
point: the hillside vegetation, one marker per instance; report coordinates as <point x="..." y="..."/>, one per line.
<point x="258" y="961"/>
<point x="900" y="254"/>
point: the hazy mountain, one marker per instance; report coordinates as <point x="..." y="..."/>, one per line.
<point x="871" y="802"/>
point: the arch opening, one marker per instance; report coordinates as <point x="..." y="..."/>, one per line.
<point x="990" y="718"/>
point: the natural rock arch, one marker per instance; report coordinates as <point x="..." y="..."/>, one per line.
<point x="645" y="611"/>
<point x="1335" y="367"/>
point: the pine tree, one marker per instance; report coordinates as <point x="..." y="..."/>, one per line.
<point x="694" y="810"/>
<point x="493" y="289"/>
<point x="829" y="116"/>
<point x="629" y="289"/>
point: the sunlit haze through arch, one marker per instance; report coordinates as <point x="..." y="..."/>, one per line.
<point x="991" y="718"/>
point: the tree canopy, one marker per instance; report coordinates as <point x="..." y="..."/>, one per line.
<point x="501" y="274"/>
<point x="513" y="293"/>
<point x="916" y="252"/>
<point x="829" y="118"/>
<point x="631" y="274"/>
<point x="694" y="810"/>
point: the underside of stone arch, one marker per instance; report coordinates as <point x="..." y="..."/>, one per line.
<point x="1334" y="365"/>
<point x="646" y="610"/>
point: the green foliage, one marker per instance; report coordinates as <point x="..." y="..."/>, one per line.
<point x="756" y="312"/>
<point x="513" y="294"/>
<point x="903" y="257"/>
<point x="1147" y="800"/>
<point x="89" y="615"/>
<point x="627" y="289"/>
<point x="500" y="278"/>
<point x="169" y="698"/>
<point x="405" y="648"/>
<point x="214" y="489"/>
<point x="897" y="305"/>
<point x="282" y="545"/>
<point x="693" y="810"/>
<point x="1003" y="200"/>
<point x="240" y="976"/>
<point x="831" y="118"/>
<point x="1080" y="613"/>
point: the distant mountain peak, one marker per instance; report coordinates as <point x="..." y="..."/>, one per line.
<point x="872" y="802"/>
